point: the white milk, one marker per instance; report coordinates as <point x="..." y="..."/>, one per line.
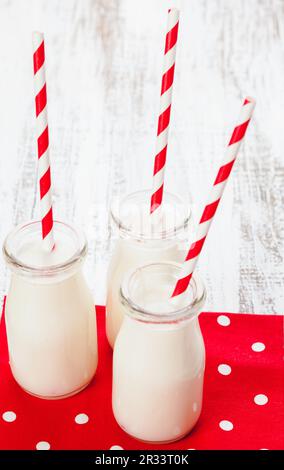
<point x="139" y="246"/>
<point x="51" y="323"/>
<point x="158" y="371"/>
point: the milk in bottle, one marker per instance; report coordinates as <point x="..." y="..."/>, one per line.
<point x="140" y="241"/>
<point x="159" y="357"/>
<point x="50" y="317"/>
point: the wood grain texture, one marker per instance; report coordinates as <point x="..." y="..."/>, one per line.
<point x="104" y="60"/>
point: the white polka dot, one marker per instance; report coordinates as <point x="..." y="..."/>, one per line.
<point x="223" y="320"/>
<point x="260" y="399"/>
<point x="9" y="416"/>
<point x="226" y="425"/>
<point x="191" y="449"/>
<point x="43" y="445"/>
<point x="224" y="369"/>
<point x="81" y="418"/>
<point x="116" y="448"/>
<point x="194" y="407"/>
<point x="258" y="347"/>
<point x="263" y="448"/>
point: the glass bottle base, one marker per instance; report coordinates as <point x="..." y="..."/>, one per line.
<point x="56" y="397"/>
<point x="168" y="441"/>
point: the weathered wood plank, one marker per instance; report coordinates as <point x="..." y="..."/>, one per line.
<point x="104" y="60"/>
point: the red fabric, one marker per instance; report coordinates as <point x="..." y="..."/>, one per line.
<point x="226" y="397"/>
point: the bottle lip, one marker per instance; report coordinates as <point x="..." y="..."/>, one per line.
<point x="145" y="195"/>
<point x="190" y="309"/>
<point x="16" y="263"/>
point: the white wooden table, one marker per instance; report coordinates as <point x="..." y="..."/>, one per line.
<point x="104" y="60"/>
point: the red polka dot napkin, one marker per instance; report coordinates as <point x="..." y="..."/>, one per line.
<point x="243" y="395"/>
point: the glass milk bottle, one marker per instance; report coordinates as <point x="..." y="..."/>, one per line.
<point x="50" y="316"/>
<point x="159" y="357"/>
<point x="140" y="242"/>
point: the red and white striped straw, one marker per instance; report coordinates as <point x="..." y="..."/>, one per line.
<point x="42" y="141"/>
<point x="165" y="109"/>
<point x="215" y="196"/>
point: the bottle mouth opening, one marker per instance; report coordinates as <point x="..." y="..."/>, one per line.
<point x="30" y="231"/>
<point x="131" y="215"/>
<point x="146" y="294"/>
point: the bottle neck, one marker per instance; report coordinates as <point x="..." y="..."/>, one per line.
<point x="146" y="294"/>
<point x="26" y="256"/>
<point x="131" y="217"/>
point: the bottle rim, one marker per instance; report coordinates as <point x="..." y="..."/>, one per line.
<point x="189" y="310"/>
<point x="15" y="263"/>
<point x="128" y="231"/>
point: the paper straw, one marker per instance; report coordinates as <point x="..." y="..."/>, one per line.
<point x="42" y="141"/>
<point x="215" y="196"/>
<point x="165" y="109"/>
